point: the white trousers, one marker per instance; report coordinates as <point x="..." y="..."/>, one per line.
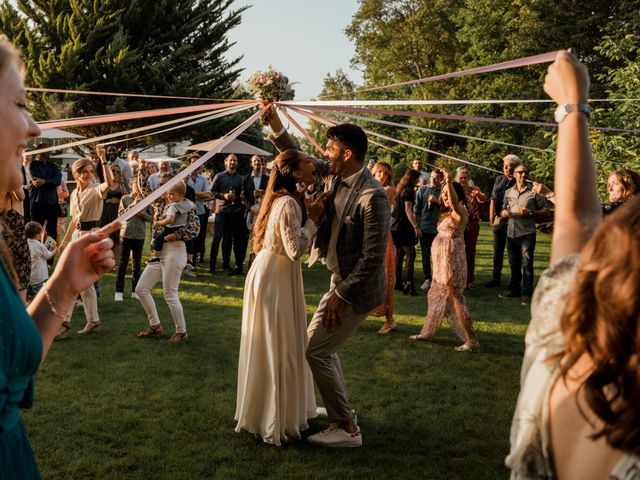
<point x="173" y="259"/>
<point x="88" y="296"/>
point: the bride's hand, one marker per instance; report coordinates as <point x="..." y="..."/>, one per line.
<point x="315" y="207"/>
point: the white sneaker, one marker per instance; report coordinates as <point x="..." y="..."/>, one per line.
<point x="118" y="297"/>
<point x="321" y="412"/>
<point x="426" y="285"/>
<point x="188" y="268"/>
<point x="334" y="436"/>
<point x="135" y="295"/>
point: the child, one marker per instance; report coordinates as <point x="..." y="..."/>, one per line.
<point x="175" y="217"/>
<point x="251" y="218"/>
<point x="40" y="253"/>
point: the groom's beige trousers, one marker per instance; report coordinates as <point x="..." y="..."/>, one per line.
<point x="324" y="362"/>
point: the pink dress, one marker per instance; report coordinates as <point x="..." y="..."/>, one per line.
<point x="446" y="295"/>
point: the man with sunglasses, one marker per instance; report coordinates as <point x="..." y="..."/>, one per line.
<point x="521" y="206"/>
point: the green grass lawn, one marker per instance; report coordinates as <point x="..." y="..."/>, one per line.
<point x="112" y="406"/>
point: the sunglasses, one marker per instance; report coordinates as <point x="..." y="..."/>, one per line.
<point x="523" y="172"/>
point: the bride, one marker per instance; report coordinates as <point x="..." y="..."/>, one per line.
<point x="275" y="388"/>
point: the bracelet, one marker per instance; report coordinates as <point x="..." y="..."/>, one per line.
<point x="52" y="306"/>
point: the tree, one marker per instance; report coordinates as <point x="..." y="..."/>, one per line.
<point x="159" y="47"/>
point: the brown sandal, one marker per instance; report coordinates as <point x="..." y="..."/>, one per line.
<point x="179" y="337"/>
<point x="62" y="332"/>
<point x="151" y="331"/>
<point x="90" y="326"/>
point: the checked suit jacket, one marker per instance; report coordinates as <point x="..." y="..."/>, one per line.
<point x="362" y="240"/>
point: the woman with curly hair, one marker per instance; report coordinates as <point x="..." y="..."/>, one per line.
<point x="622" y="185"/>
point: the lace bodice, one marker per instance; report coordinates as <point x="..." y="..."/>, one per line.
<point x="285" y="234"/>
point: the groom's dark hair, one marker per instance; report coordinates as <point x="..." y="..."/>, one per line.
<point x="352" y="137"/>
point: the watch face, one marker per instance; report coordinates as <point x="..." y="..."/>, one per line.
<point x="560" y="113"/>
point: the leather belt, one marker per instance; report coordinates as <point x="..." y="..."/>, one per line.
<point x="86" y="226"/>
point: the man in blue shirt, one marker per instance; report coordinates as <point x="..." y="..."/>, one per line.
<point x="427" y="213"/>
<point x="200" y="186"/>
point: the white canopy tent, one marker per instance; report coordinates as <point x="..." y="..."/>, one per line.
<point x="56" y="134"/>
<point x="235" y="146"/>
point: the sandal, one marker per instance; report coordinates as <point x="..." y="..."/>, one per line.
<point x="89" y="327"/>
<point x="151" y="331"/>
<point x="468" y="347"/>
<point x="62" y="332"/>
<point x="386" y="328"/>
<point x="179" y="337"/>
<point x="419" y="337"/>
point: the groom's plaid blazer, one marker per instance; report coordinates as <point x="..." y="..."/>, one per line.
<point x="362" y="240"/>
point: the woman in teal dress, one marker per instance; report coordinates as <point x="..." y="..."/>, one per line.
<point x="26" y="334"/>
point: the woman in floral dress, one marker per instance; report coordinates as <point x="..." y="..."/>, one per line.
<point x="446" y="295"/>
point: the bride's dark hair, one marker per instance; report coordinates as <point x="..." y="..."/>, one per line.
<point x="281" y="183"/>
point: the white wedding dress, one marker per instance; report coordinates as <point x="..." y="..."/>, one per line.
<point x="275" y="387"/>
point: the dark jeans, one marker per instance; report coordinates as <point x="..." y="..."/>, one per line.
<point x="45" y="212"/>
<point x="426" y="240"/>
<point x="202" y="235"/>
<point x="499" y="242"/>
<point x="470" y="242"/>
<point x="229" y="229"/>
<point x="133" y="246"/>
<point x="521" y="252"/>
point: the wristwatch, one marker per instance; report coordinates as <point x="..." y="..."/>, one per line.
<point x="566" y="108"/>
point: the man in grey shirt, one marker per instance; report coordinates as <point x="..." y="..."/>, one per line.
<point x="520" y="207"/>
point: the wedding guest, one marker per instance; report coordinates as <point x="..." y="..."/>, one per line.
<point x="521" y="206"/>
<point x="45" y="178"/>
<point x="176" y="214"/>
<point x="382" y="172"/>
<point x="121" y="175"/>
<point x="426" y="211"/>
<point x="474" y="197"/>
<point x="155" y="172"/>
<point x="202" y="192"/>
<point x="251" y="219"/>
<point x="168" y="270"/>
<point x="132" y="235"/>
<point x="86" y="208"/>
<point x="446" y="295"/>
<point x="15" y="237"/>
<point x="353" y="240"/>
<point x="275" y="388"/>
<point x="40" y="253"/>
<point x="622" y="185"/>
<point x="405" y="230"/>
<point x="26" y="335"/>
<point x="229" y="223"/>
<point x="497" y="222"/>
<point x="424" y="176"/>
<point x="26" y="187"/>
<point x="577" y="414"/>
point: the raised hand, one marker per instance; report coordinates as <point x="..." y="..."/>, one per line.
<point x="567" y="80"/>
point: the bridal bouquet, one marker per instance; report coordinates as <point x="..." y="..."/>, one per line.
<point x="270" y="86"/>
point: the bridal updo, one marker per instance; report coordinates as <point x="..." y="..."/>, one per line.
<point x="281" y="182"/>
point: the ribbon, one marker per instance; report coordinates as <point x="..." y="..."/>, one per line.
<point x="431" y="130"/>
<point x="119" y="117"/>
<point x="116" y="94"/>
<point x="401" y="142"/>
<point x="222" y="113"/>
<point x="303" y="131"/>
<point x="224" y="141"/>
<point x="356" y="103"/>
<point x="521" y="62"/>
<point x="117" y="134"/>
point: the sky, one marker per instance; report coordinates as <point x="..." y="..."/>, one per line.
<point x="303" y="39"/>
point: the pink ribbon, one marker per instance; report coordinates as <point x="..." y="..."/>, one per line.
<point x="119" y="117"/>
<point x="116" y="94"/>
<point x="303" y="131"/>
<point x="521" y="62"/>
<point x="224" y="141"/>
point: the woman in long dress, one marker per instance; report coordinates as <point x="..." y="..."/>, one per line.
<point x="275" y="387"/>
<point x="446" y="295"/>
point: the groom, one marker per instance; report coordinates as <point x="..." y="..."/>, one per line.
<point x="352" y="239"/>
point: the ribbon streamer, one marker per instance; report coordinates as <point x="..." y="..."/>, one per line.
<point x="521" y="62"/>
<point x="303" y="131"/>
<point x="119" y="117"/>
<point x="440" y="132"/>
<point x="221" y="113"/>
<point x="224" y="141"/>
<point x="401" y="142"/>
<point x="114" y="135"/>
<point x="116" y="94"/>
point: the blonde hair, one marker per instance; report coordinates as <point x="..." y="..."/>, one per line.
<point x="81" y="164"/>
<point x="9" y="55"/>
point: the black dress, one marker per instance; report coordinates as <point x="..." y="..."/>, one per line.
<point x="402" y="230"/>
